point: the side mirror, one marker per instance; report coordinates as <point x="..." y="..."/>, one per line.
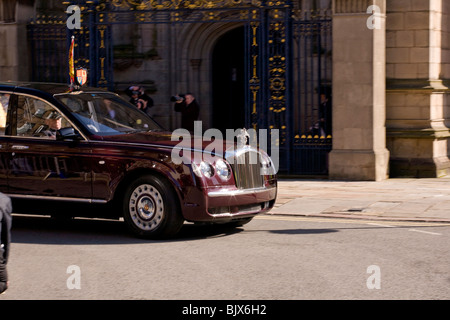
<point x="68" y="134"/>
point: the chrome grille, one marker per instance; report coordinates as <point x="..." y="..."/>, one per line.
<point x="247" y="169"/>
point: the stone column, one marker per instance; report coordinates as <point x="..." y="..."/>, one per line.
<point x="359" y="91"/>
<point x="418" y="95"/>
<point x="13" y="40"/>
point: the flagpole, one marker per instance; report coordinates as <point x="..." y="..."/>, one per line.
<point x="71" y="63"/>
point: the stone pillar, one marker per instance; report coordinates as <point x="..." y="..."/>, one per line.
<point x="13" y="40"/>
<point x="359" y="92"/>
<point x="418" y="95"/>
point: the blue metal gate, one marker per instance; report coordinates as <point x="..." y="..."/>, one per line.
<point x="287" y="55"/>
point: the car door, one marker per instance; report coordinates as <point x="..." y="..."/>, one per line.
<point x="39" y="164"/>
<point x="4" y="106"/>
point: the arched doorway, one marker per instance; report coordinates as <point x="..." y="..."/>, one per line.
<point x="228" y="75"/>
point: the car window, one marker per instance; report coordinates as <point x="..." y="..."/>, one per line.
<point x="37" y="118"/>
<point x="106" y="113"/>
<point x="4" y="104"/>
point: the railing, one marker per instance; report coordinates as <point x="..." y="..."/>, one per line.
<point x="49" y="49"/>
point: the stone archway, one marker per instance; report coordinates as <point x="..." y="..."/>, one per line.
<point x="229" y="81"/>
<point x="196" y="55"/>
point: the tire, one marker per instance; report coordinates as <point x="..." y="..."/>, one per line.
<point x="151" y="208"/>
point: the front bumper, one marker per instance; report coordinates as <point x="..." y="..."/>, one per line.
<point x="227" y="204"/>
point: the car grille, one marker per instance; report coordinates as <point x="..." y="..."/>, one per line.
<point x="247" y="170"/>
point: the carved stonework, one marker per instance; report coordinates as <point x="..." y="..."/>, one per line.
<point x="181" y="4"/>
<point x="351" y="6"/>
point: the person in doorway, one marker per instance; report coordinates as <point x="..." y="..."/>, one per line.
<point x="189" y="108"/>
<point x="5" y="239"/>
<point x="325" y="113"/>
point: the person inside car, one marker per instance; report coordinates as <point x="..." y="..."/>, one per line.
<point x="53" y="126"/>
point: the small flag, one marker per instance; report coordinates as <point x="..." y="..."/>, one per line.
<point x="81" y="76"/>
<point x="71" y="62"/>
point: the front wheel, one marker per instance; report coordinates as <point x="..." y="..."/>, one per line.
<point x="150" y="208"/>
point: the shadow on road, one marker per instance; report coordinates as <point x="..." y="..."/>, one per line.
<point x="303" y="231"/>
<point x="45" y="230"/>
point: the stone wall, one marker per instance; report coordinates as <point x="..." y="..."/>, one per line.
<point x="417" y="87"/>
<point x="359" y="141"/>
<point x="14" y="44"/>
<point x="445" y="67"/>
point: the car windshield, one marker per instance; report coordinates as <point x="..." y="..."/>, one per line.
<point x="105" y="113"/>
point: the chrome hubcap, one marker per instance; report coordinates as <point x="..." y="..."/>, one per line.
<point x="146" y="207"/>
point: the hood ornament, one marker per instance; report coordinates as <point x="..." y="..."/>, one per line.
<point x="243" y="137"/>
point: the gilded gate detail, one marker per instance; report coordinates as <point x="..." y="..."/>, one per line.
<point x="275" y="80"/>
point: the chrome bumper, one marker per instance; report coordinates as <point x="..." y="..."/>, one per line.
<point x="239" y="192"/>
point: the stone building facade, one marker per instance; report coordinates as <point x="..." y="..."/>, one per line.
<point x="390" y="79"/>
<point x="418" y="82"/>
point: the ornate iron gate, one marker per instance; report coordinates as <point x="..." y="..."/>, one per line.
<point x="48" y="37"/>
<point x="285" y="57"/>
<point x="312" y="65"/>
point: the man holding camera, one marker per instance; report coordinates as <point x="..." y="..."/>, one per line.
<point x="139" y="98"/>
<point x="189" y="108"/>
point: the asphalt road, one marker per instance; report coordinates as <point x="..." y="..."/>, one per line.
<point x="271" y="258"/>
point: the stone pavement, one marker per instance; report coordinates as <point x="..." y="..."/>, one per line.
<point x="393" y="199"/>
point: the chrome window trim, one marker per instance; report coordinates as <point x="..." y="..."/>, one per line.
<point x="32" y="197"/>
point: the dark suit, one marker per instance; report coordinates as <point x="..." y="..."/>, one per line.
<point x="5" y="237"/>
<point x="189" y="114"/>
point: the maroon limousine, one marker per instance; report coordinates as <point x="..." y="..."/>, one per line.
<point x="89" y="153"/>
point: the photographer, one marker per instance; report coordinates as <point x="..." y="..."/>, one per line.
<point x="139" y="98"/>
<point x="189" y="108"/>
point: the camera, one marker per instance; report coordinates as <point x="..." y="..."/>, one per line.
<point x="138" y="103"/>
<point x="177" y="98"/>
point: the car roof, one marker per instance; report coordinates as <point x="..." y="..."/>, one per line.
<point x="41" y="88"/>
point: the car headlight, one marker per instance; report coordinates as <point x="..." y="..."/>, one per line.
<point x="267" y="167"/>
<point x="222" y="169"/>
<point x="204" y="169"/>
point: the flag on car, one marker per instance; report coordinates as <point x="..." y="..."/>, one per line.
<point x="71" y="62"/>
